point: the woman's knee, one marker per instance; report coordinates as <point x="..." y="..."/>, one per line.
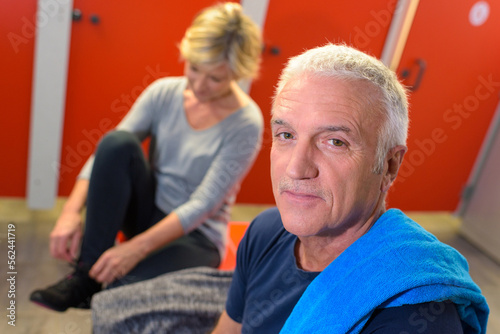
<point x="118" y="141"/>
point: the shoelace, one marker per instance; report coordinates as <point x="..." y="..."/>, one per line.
<point x="66" y="282"/>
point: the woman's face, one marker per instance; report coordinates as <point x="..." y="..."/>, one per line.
<point x="208" y="82"/>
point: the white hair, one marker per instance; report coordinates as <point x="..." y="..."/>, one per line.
<point x="347" y="63"/>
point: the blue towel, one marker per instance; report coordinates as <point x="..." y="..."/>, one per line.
<point x="395" y="263"/>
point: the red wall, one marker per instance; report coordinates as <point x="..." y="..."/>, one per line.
<point x="113" y="61"/>
<point x="17" y="42"/>
<point x="450" y="112"/>
<point x="292" y="26"/>
<point x="110" y="65"/>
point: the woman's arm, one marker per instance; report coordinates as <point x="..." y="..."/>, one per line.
<point x="67" y="233"/>
<point x="66" y="236"/>
<point x="222" y="179"/>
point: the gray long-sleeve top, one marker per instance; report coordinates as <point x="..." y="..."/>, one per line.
<point x="198" y="171"/>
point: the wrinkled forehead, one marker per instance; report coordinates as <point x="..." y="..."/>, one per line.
<point x="327" y="92"/>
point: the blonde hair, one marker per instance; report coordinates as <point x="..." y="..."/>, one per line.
<point x="222" y="33"/>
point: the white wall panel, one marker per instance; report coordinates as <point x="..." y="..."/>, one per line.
<point x="48" y="100"/>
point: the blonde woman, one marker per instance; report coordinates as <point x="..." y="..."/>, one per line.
<point x="173" y="208"/>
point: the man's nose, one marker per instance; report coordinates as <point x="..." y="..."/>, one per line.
<point x="301" y="164"/>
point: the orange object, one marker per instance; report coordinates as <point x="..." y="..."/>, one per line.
<point x="235" y="232"/>
<point x="120" y="237"/>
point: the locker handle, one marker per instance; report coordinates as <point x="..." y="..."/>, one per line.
<point x="77" y="15"/>
<point x="406" y="73"/>
<point x="95" y="19"/>
<point x="272" y="49"/>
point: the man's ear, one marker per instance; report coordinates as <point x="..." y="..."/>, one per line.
<point x="393" y="161"/>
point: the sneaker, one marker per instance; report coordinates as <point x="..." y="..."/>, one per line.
<point x="75" y="290"/>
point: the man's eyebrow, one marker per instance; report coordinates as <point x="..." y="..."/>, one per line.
<point x="278" y="121"/>
<point x="333" y="128"/>
<point x="329" y="128"/>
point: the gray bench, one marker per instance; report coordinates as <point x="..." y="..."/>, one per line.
<point x="187" y="301"/>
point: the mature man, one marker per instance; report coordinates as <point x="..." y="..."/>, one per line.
<point x="331" y="258"/>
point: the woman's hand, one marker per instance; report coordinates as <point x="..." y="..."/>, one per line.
<point x="119" y="260"/>
<point x="116" y="262"/>
<point x="66" y="236"/>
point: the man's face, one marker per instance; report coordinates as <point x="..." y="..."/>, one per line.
<point x="323" y="154"/>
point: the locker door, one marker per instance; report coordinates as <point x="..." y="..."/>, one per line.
<point x="117" y="49"/>
<point x="106" y="73"/>
<point x="17" y="28"/>
<point x="291" y="27"/>
<point x="450" y="111"/>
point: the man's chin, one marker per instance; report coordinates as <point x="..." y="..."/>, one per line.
<point x="297" y="224"/>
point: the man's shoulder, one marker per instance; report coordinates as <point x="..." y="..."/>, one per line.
<point x="267" y="221"/>
<point x="266" y="232"/>
<point x="430" y="317"/>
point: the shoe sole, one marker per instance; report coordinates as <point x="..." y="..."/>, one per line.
<point x="49" y="307"/>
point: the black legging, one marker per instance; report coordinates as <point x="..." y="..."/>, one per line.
<point x="121" y="197"/>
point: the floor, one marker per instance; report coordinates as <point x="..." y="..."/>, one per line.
<point x="34" y="268"/>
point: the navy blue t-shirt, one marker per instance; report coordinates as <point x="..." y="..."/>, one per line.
<point x="267" y="284"/>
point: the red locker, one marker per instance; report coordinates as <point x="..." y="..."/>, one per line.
<point x="454" y="104"/>
<point x="291" y="27"/>
<point x="17" y="28"/>
<point x="116" y="51"/>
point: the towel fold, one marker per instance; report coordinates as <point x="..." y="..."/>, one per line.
<point x="395" y="263"/>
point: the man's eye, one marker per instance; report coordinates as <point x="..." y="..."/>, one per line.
<point x="285" y="135"/>
<point x="337" y="142"/>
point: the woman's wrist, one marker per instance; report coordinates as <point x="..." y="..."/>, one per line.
<point x="70" y="208"/>
<point x="166" y="230"/>
<point x="142" y="245"/>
